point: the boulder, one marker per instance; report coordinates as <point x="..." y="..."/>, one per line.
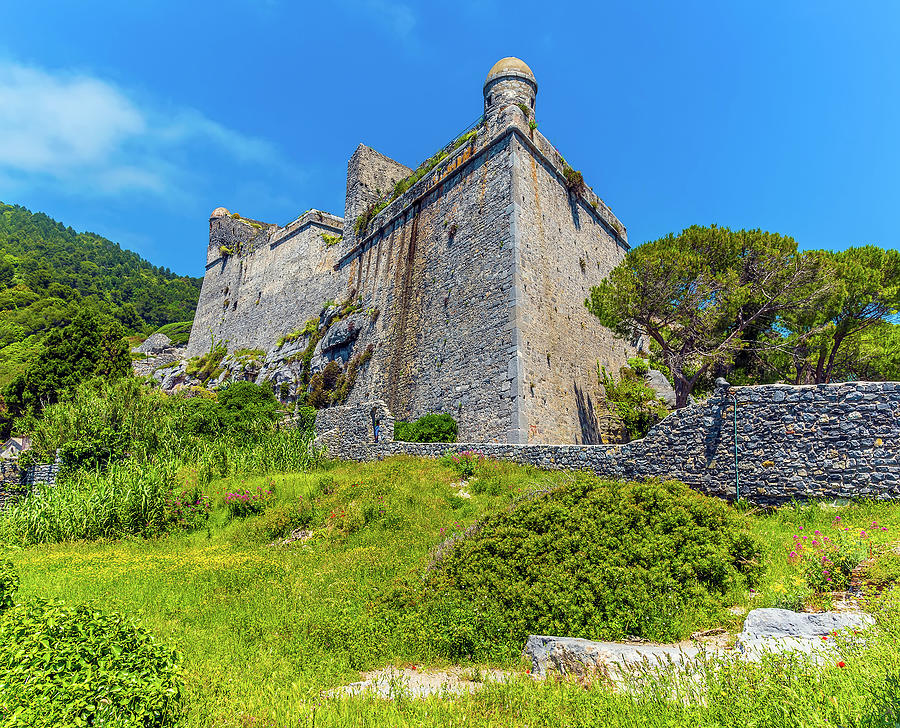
<point x="344" y="332"/>
<point x="657" y="381"/>
<point x="781" y="630"/>
<point x="574" y="656"/>
<point x="153" y="344"/>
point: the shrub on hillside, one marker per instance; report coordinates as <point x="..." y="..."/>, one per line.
<point x="432" y="427"/>
<point x="248" y="502"/>
<point x="465" y="464"/>
<point x="9" y="583"/>
<point x="597" y="559"/>
<point x="64" y="666"/>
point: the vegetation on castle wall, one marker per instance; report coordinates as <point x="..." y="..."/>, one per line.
<point x="309" y="328"/>
<point x="332" y="385"/>
<point x="361" y="224"/>
<point x="331" y="240"/>
<point x="633" y="401"/>
<point x="207" y="366"/>
<point x="432" y="427"/>
<point x="574" y="180"/>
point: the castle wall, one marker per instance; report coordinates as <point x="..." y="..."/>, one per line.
<point x="271" y="282"/>
<point x="565" y="246"/>
<point x="440" y="272"/>
<point x="370" y="174"/>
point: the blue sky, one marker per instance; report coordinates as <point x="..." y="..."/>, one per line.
<point x="135" y="119"/>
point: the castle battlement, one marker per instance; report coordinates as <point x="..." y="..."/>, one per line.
<point x="469" y="273"/>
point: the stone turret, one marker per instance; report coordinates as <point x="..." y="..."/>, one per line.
<point x="509" y="82"/>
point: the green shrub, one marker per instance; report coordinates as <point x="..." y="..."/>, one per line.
<point x="244" y="503"/>
<point x="465" y="463"/>
<point x="636" y="404"/>
<point x="207" y="366"/>
<point x="64" y="666"/>
<point x="280" y="520"/>
<point x="600" y="560"/>
<point x="487" y="486"/>
<point x="432" y="427"/>
<point x="574" y="180"/>
<point x="885" y="570"/>
<point x="638" y="366"/>
<point x="178" y="332"/>
<point x="9" y="583"/>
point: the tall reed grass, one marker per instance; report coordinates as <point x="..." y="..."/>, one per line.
<point x="144" y="494"/>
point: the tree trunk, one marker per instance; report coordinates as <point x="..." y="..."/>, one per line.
<point x="682" y="391"/>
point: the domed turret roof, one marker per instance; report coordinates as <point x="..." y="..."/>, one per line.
<point x="219" y="212"/>
<point x="510" y="66"/>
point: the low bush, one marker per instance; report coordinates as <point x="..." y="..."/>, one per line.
<point x="65" y="666"/>
<point x="465" y="464"/>
<point x="207" y="366"/>
<point x="636" y="404"/>
<point x="248" y="502"/>
<point x="432" y="427"/>
<point x="827" y="558"/>
<point x="638" y="366"/>
<point x="9" y="583"/>
<point x="600" y="560"/>
<point x="280" y="520"/>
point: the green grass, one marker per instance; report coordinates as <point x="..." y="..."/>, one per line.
<point x="178" y="332"/>
<point x="265" y="630"/>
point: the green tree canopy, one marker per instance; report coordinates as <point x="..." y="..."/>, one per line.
<point x="91" y="345"/>
<point x="814" y="344"/>
<point x="695" y="294"/>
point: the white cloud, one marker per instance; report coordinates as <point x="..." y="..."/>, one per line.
<point x="73" y="129"/>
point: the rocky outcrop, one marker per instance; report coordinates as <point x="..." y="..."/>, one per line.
<point x="765" y="631"/>
<point x="155" y="352"/>
<point x="781" y="630"/>
<point x="665" y="392"/>
<point x="578" y="657"/>
<point x="342" y="335"/>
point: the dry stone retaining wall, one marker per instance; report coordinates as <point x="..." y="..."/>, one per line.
<point x="15" y="484"/>
<point x="820" y="441"/>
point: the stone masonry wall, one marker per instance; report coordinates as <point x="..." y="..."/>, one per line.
<point x="818" y="441"/>
<point x="438" y="267"/>
<point x="15" y="484"/>
<point x="564" y="247"/>
<point x="370" y="174"/>
<point x="274" y="280"/>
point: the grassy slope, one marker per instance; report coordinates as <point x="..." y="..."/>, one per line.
<point x="265" y="630"/>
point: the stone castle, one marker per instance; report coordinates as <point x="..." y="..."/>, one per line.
<point x="457" y="287"/>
